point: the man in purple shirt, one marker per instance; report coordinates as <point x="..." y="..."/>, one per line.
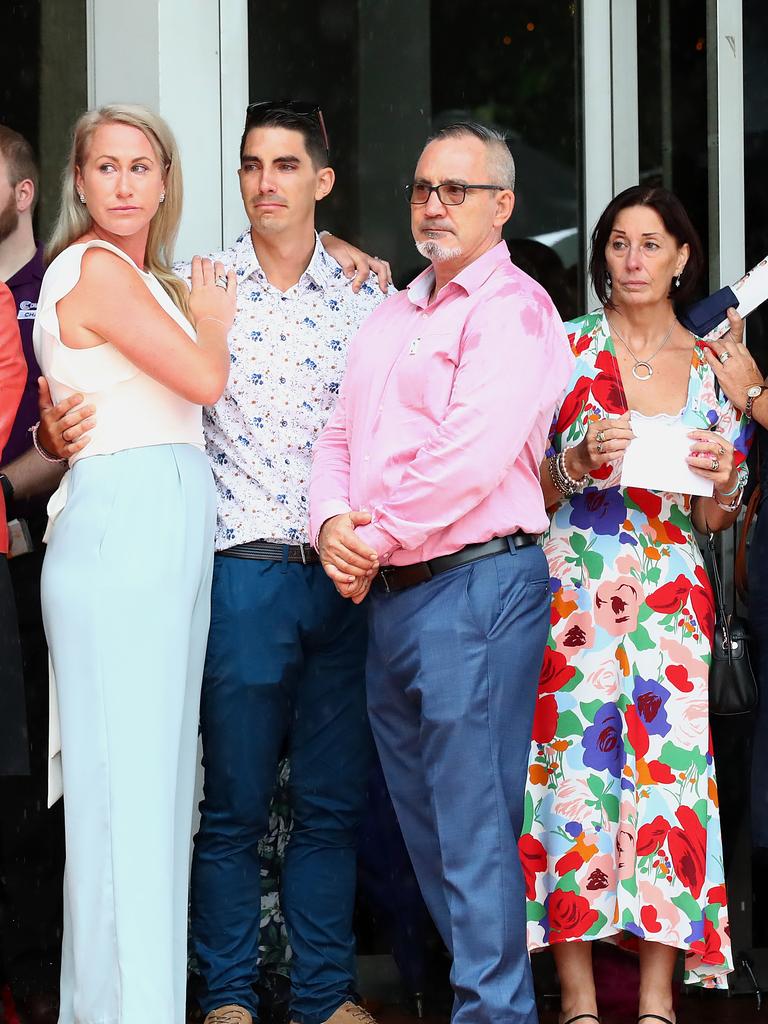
<point x="429" y="469"/>
<point x="31" y="836"/>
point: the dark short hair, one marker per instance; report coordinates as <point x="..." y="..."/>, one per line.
<point x="676" y="221"/>
<point x="308" y="127"/>
<point x="19" y="158"/>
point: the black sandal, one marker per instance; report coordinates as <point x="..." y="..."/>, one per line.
<point x="653" y="1016"/>
<point x="582" y="1016"/>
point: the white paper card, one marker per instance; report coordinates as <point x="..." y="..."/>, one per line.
<point x="750" y="290"/>
<point x="655" y="458"/>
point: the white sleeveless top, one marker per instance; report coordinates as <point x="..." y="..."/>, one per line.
<point x="132" y="409"/>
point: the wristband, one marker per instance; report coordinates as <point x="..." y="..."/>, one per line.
<point x="42" y="452"/>
<point x="7" y="488"/>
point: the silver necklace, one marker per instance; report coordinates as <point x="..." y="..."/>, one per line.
<point x="646" y="363"/>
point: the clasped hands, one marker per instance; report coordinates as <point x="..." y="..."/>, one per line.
<point x="348" y="561"/>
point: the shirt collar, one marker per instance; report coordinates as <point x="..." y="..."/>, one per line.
<point x="469" y="279"/>
<point x="30" y="272"/>
<point x="322" y="271"/>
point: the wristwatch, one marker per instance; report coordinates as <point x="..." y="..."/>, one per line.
<point x="753" y="392"/>
<point x="7" y="488"/>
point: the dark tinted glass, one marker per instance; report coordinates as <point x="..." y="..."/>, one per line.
<point x="512" y="65"/>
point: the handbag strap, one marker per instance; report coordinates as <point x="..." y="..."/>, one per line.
<point x="740" y="559"/>
<point x="721" y="617"/>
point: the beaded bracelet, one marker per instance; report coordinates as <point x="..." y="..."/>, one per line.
<point x="42" y="452"/>
<point x="561" y="478"/>
<point x="561" y="482"/>
<point x="575" y="484"/>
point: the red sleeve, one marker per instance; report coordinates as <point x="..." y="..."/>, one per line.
<point x="13" y="375"/>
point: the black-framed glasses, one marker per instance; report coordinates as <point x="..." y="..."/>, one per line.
<point x="255" y="112"/>
<point x="448" y="193"/>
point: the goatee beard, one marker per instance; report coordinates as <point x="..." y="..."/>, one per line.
<point x="438" y="253"/>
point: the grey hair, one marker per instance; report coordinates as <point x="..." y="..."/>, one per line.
<point x="501" y="164"/>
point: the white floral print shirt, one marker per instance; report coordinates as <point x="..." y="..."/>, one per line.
<point x="288" y="352"/>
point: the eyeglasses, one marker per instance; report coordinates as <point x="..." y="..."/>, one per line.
<point x="449" y="194"/>
<point x="256" y="112"/>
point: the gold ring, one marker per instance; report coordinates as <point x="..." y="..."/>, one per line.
<point x="600" y="436"/>
<point x="715" y="464"/>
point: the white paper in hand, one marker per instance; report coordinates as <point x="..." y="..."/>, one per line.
<point x="655" y="458"/>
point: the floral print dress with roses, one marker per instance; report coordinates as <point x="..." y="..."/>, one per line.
<point x="622" y="834"/>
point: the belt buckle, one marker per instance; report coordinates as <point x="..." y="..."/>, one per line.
<point x="303" y="554"/>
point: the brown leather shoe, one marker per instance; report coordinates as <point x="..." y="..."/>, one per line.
<point x="229" y="1014"/>
<point x="351" y="1013"/>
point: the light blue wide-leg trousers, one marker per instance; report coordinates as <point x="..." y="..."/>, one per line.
<point x="126" y="603"/>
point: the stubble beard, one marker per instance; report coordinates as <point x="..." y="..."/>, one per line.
<point x="9" y="218"/>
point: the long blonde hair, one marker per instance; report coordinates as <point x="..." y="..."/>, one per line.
<point x="74" y="219"/>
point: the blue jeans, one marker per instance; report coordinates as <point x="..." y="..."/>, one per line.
<point x="284" y="673"/>
<point x="452" y="674"/>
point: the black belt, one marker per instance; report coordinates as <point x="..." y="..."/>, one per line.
<point x="397" y="577"/>
<point x="265" y="551"/>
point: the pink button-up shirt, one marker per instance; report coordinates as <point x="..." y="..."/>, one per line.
<point x="443" y="416"/>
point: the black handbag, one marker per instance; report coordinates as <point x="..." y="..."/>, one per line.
<point x="732" y="686"/>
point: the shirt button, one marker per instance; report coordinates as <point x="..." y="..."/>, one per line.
<point x="381" y="408"/>
<point x="367" y="458"/>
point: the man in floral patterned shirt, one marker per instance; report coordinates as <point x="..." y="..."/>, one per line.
<point x="285" y="665"/>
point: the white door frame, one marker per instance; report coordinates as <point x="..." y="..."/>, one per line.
<point x="187" y="59"/>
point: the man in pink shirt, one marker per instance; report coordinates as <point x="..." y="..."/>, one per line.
<point x="425" y="501"/>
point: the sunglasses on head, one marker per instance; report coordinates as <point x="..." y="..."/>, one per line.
<point x="257" y="111"/>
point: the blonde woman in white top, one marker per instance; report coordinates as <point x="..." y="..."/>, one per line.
<point x="126" y="579"/>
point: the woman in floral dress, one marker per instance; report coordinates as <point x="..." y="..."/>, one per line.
<point x="621" y="833"/>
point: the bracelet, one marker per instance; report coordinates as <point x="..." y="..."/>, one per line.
<point x="575" y="484"/>
<point x="733" y="505"/>
<point x="42" y="452"/>
<point x="561" y="478"/>
<point x="734" y="490"/>
<point x="215" y="320"/>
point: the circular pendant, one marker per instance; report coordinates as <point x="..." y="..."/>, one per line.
<point x="642" y="376"/>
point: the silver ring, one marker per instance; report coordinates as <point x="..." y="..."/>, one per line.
<point x="715" y="464"/>
<point x="221" y="281"/>
<point x="599" y="447"/>
<point x="724" y="357"/>
<point x="721" y="449"/>
<point x="600" y="436"/>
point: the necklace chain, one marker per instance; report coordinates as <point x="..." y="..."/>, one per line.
<point x="643" y="362"/>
